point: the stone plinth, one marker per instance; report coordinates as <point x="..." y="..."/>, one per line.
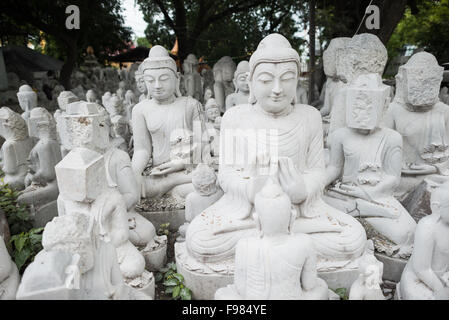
<point x="44" y="214"/>
<point x="393" y="267"/>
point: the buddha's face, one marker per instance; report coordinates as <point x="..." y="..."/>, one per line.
<point x="140" y="83"/>
<point x="274" y="85"/>
<point x="207" y="94"/>
<point x="161" y="83"/>
<point x="242" y="82"/>
<point x="228" y="72"/>
<point x="212" y="113"/>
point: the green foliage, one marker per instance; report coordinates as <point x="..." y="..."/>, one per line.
<point x="143" y="42"/>
<point x="163" y="229"/>
<point x="25" y="247"/>
<point x="342" y="293"/>
<point x="173" y="282"/>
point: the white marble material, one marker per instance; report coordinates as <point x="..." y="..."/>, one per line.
<point x="277" y="264"/>
<point x="9" y="274"/>
<point x="426" y="275"/>
<point x="64" y="99"/>
<point x="27" y="100"/>
<point x="192" y="79"/>
<point x="368" y="160"/>
<point x="241" y="94"/>
<point x="15" y="149"/>
<point x="223" y="75"/>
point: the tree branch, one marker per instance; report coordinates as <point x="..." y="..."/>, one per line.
<point x="164" y="11"/>
<point x="233" y="9"/>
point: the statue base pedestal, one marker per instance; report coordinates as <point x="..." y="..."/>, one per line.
<point x="156" y="255"/>
<point x="144" y="283"/>
<point x="393" y="267"/>
<point x="203" y="279"/>
<point x="339" y="276"/>
<point x="44" y="214"/>
<point x="176" y="218"/>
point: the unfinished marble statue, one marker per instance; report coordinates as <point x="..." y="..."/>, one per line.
<point x="64" y="98"/>
<point x="444" y="95"/>
<point x="212" y="112"/>
<point x="208" y="93"/>
<point x="27" y="100"/>
<point x="84" y="189"/>
<point x="91" y="96"/>
<point x="367" y="285"/>
<point x="89" y="128"/>
<point x="105" y="99"/>
<point x="120" y="132"/>
<point x="165" y="119"/>
<point x="41" y="189"/>
<point x="140" y="84"/>
<point x="121" y="90"/>
<point x="9" y="274"/>
<point x="129" y="103"/>
<point x="75" y="264"/>
<point x="363" y="54"/>
<point x="192" y="79"/>
<point x="241" y="94"/>
<point x="278" y="264"/>
<point x="278" y="138"/>
<point x="223" y="75"/>
<point x="15" y="149"/>
<point x="368" y="159"/>
<point x="422" y="120"/>
<point x="426" y="275"/>
<point x="333" y="82"/>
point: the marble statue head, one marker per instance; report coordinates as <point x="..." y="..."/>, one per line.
<point x="419" y="80"/>
<point x="330" y="55"/>
<point x="122" y="85"/>
<point x="91" y="96"/>
<point x="273" y="76"/>
<point x="160" y="75"/>
<point x="81" y="175"/>
<point x="86" y="126"/>
<point x="241" y="77"/>
<point x="115" y="105"/>
<point x="27" y="98"/>
<point x="208" y="94"/>
<point x="71" y="233"/>
<point x="66" y="97"/>
<point x="130" y="98"/>
<point x="204" y="180"/>
<point x="105" y="99"/>
<point x="363" y="54"/>
<point x="224" y="69"/>
<point x="119" y="125"/>
<point x="212" y="110"/>
<point x="439" y="202"/>
<point x="12" y="125"/>
<point x="140" y="83"/>
<point x="273" y="209"/>
<point x="190" y="63"/>
<point x="366" y="100"/>
<point x="41" y="124"/>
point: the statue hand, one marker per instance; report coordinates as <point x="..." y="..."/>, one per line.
<point x="28" y="179"/>
<point x="353" y="191"/>
<point x="291" y="180"/>
<point x="168" y="167"/>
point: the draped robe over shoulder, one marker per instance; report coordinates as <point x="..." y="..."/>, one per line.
<point x="212" y="236"/>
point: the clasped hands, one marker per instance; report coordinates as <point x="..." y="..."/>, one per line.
<point x="283" y="170"/>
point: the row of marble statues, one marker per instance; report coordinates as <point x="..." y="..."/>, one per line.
<point x="304" y="200"/>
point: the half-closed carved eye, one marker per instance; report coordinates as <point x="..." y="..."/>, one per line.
<point x="265" y="77"/>
<point x="164" y="77"/>
<point x="288" y="76"/>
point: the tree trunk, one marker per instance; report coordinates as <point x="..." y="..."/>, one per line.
<point x="311" y="51"/>
<point x="69" y="64"/>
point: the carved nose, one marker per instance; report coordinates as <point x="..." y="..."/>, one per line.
<point x="277" y="89"/>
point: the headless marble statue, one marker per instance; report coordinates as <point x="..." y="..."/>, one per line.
<point x="279" y="264"/>
<point x="9" y="274"/>
<point x="363" y="54"/>
<point x="368" y="158"/>
<point x="278" y="138"/>
<point x="223" y="75"/>
<point x="165" y="118"/>
<point x="241" y="94"/>
<point x="27" y="100"/>
<point x="422" y="120"/>
<point x="40" y="182"/>
<point x="426" y="275"/>
<point x="15" y="149"/>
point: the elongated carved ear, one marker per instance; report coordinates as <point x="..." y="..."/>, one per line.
<point x="293" y="216"/>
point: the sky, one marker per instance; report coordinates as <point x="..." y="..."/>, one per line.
<point x="134" y="18"/>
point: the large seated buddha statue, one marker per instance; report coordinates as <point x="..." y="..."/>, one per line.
<point x="422" y="120"/>
<point x="279" y="139"/>
<point x="159" y="123"/>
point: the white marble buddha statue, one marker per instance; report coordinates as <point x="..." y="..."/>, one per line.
<point x="192" y="79"/>
<point x="330" y="70"/>
<point x="15" y="149"/>
<point x="140" y="84"/>
<point x="121" y="90"/>
<point x="212" y="139"/>
<point x="241" y="94"/>
<point x="363" y="54"/>
<point x="9" y="274"/>
<point x="368" y="158"/>
<point x="426" y="275"/>
<point x="27" y="100"/>
<point x="64" y="98"/>
<point x="129" y="103"/>
<point x="84" y="189"/>
<point x="40" y="182"/>
<point x="274" y="137"/>
<point x="208" y="93"/>
<point x="223" y="75"/>
<point x="91" y="96"/>
<point x="278" y="264"/>
<point x="422" y="120"/>
<point x="89" y="128"/>
<point x="160" y="121"/>
<point x="105" y="99"/>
